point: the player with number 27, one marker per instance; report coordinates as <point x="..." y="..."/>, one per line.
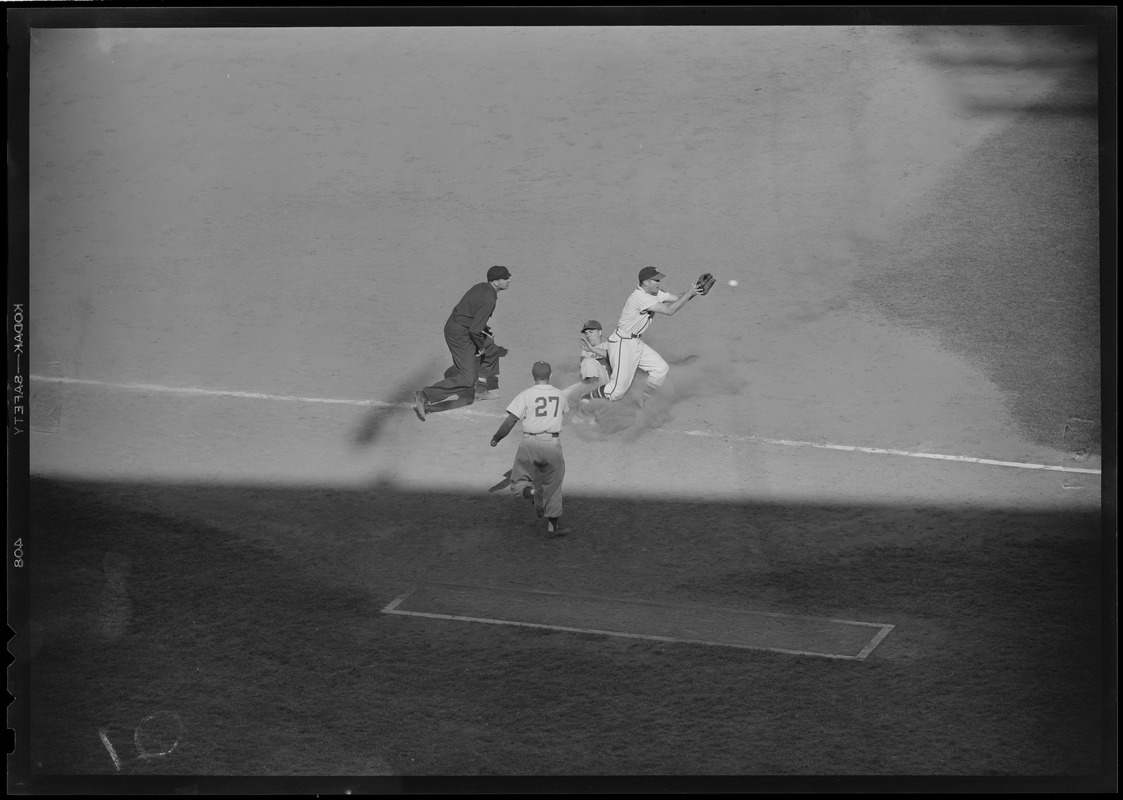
<point x="539" y="463"/>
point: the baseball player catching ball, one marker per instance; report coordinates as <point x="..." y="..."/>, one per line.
<point x="627" y="351"/>
<point x="539" y="463"/>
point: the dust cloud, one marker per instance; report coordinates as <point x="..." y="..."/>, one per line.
<point x="711" y="374"/>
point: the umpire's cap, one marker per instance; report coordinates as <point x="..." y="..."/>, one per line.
<point x="498" y="273"/>
<point x="591" y="325"/>
<point x="541" y="370"/>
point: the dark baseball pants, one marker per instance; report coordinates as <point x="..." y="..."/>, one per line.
<point x="487" y="370"/>
<point x="464" y="360"/>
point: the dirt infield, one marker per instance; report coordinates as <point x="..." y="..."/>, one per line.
<point x="322" y="223"/>
<point x="244" y="243"/>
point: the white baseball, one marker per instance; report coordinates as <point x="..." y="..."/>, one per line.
<point x="733" y="283"/>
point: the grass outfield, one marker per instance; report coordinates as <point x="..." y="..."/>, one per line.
<point x="266" y="639"/>
<point x="1005" y="267"/>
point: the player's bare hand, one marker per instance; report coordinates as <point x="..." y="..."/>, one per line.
<point x="494" y="442"/>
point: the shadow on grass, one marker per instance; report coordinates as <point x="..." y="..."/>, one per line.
<point x="1005" y="265"/>
<point x="253" y="614"/>
<point x="983" y="64"/>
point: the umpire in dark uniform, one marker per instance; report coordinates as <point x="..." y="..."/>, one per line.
<point x="465" y="334"/>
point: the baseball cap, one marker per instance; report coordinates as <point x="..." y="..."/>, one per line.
<point x="540" y="370"/>
<point x="591" y="325"/>
<point x="498" y="273"/>
<point x="647" y="273"/>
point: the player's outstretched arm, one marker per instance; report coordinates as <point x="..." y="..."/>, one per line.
<point x="673" y="306"/>
<point x="504" y="429"/>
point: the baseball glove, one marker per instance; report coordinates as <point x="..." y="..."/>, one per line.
<point x="487" y="342"/>
<point x="705" y="282"/>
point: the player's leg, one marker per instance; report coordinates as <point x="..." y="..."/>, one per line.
<point x="550" y="464"/>
<point x="612" y="350"/>
<point x="466" y="364"/>
<point x="593" y="376"/>
<point x="523" y="472"/>
<point x="489" y="367"/>
<point x="654" y="365"/>
<point x="623" y="356"/>
<point x="487" y="378"/>
<point x="656" y="368"/>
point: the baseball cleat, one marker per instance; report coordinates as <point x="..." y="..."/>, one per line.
<point x="485" y="392"/>
<point x="554" y="527"/>
<point x="419" y="405"/>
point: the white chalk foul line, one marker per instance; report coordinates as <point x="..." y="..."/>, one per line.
<point x="152" y="387"/>
<point x="893" y="452"/>
<point x="109" y="746"/>
<point x="149" y="387"/>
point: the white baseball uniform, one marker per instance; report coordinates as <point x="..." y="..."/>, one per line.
<point x="626" y="349"/>
<point x="593" y="366"/>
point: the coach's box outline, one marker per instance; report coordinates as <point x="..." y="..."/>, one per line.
<point x="392" y="608"/>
